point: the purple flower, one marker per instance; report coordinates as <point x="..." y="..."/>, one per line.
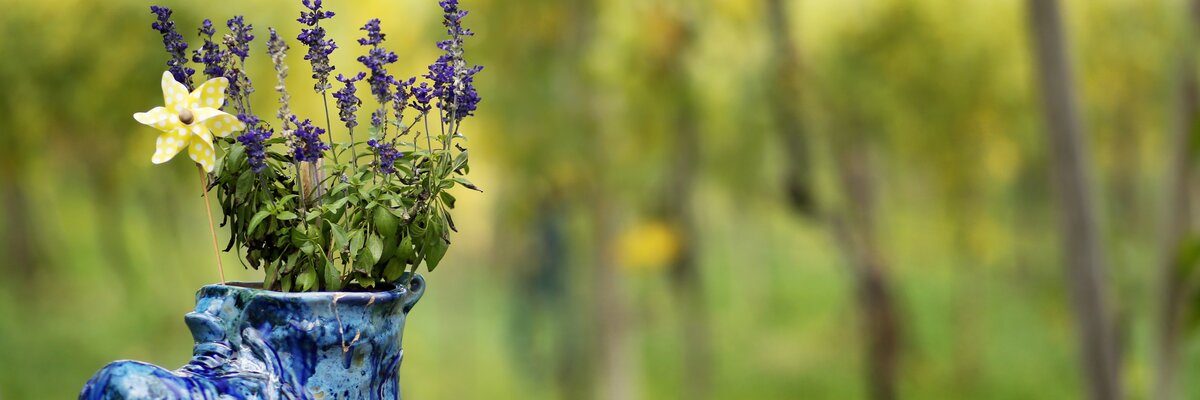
<point x="453" y="81"/>
<point x="374" y="34"/>
<point x="254" y="140"/>
<point x="308" y="145"/>
<point x="319" y="48"/>
<point x="347" y="99"/>
<point x="239" y="45"/>
<point x="400" y="97"/>
<point x="175" y="45"/>
<point x="421" y="96"/>
<point x="209" y="53"/>
<point x="376" y="61"/>
<point x="386" y="154"/>
<point x="377" y="118"/>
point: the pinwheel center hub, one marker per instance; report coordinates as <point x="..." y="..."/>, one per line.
<point x="187" y="117"/>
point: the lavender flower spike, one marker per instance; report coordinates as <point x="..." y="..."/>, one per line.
<point x="400" y="100"/>
<point x="240" y="37"/>
<point x="453" y="81"/>
<point x="277" y="49"/>
<point x="175" y="45"/>
<point x="376" y="61"/>
<point x="237" y="43"/>
<point x="308" y="145"/>
<point x="347" y="99"/>
<point x="254" y="140"/>
<point x="319" y="48"/>
<point x="386" y="155"/>
<point x="209" y="53"/>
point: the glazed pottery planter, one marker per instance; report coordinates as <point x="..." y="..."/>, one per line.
<point x="259" y="344"/>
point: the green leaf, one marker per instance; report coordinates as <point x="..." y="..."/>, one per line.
<point x="286" y="215"/>
<point x="234" y="157"/>
<point x="362" y="261"/>
<point x="298" y="237"/>
<point x="306" y="280"/>
<point x="385" y="222"/>
<point x="449" y="220"/>
<point x="270" y="278"/>
<point x="366" y="283"/>
<point x="356" y="241"/>
<point x="290" y="265"/>
<point x="459" y="161"/>
<point x="333" y="280"/>
<point x="398" y="212"/>
<point x="339" y="203"/>
<point x="245" y="182"/>
<point x="447" y="199"/>
<point x="258" y="218"/>
<point x="339" y="235"/>
<point x="389" y="248"/>
<point x="375" y="246"/>
<point x="406" y="252"/>
<point x="394" y="270"/>
<point x="435" y="246"/>
<point x="285" y="199"/>
<point x="466" y="183"/>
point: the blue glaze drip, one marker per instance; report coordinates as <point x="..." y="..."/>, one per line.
<point x="258" y="344"/>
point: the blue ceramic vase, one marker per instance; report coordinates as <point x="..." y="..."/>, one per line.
<point x="259" y="344"/>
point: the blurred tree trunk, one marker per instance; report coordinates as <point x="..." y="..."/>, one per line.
<point x="677" y="208"/>
<point x="786" y="110"/>
<point x="616" y="372"/>
<point x="1069" y="163"/>
<point x="855" y="232"/>
<point x="1173" y="290"/>
<point x="20" y="245"/>
<point x="853" y="227"/>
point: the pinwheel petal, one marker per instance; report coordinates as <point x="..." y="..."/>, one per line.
<point x="158" y="118"/>
<point x="175" y="95"/>
<point x="169" y="144"/>
<point x="201" y="151"/>
<point x="211" y="94"/>
<point x="219" y="122"/>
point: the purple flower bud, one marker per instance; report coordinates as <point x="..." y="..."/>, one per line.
<point x="376" y="61"/>
<point x="254" y="140"/>
<point x="308" y="145"/>
<point x="386" y="156"/>
<point x="209" y="53"/>
<point x="453" y="81"/>
<point x="347" y="99"/>
<point x="175" y="45"/>
<point x="319" y="48"/>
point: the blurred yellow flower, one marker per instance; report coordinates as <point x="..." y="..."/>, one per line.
<point x="648" y="246"/>
<point x="190" y="120"/>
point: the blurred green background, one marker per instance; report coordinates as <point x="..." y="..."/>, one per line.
<point x="663" y="184"/>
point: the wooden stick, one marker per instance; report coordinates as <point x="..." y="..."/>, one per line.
<point x="211" y="228"/>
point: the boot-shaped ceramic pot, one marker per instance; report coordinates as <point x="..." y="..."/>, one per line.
<point x="260" y="344"/>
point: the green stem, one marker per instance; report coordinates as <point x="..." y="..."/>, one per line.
<point x="328" y="127"/>
<point x="353" y="151"/>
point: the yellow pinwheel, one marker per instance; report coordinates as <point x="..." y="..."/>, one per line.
<point x="189" y="120"/>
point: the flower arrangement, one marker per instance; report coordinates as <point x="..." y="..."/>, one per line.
<point x="314" y="214"/>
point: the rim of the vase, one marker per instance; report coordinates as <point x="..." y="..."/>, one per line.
<point x="258" y="290"/>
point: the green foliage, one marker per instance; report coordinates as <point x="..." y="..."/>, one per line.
<point x="364" y="231"/>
